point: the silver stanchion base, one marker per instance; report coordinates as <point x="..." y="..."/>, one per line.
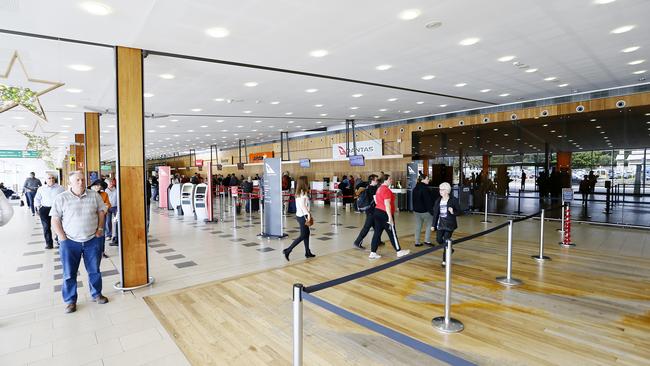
<point x="559" y="230"/>
<point x="509" y="282"/>
<point x="540" y="258"/>
<point x="566" y="245"/>
<point x="337" y="224"/>
<point x="486" y="221"/>
<point x="118" y="285"/>
<point x="454" y="325"/>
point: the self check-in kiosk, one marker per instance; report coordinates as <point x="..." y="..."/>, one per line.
<point x="187" y="198"/>
<point x="175" y="198"/>
<point x="200" y="202"/>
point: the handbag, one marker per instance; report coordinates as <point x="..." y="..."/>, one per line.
<point x="309" y="222"/>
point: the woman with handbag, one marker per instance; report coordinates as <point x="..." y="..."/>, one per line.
<point x="445" y="211"/>
<point x="304" y="218"/>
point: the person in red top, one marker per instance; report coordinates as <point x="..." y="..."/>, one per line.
<point x="385" y="219"/>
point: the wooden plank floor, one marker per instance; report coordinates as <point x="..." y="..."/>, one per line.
<point x="582" y="308"/>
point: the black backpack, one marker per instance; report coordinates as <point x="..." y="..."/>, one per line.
<point x="365" y="201"/>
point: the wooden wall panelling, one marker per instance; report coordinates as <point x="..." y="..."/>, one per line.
<point x="92" y="143"/>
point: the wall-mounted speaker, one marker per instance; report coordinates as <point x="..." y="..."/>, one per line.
<point x="386" y="131"/>
<point x="580" y="108"/>
<point x="486" y="119"/>
<point x="439" y="125"/>
<point x="419" y="128"/>
<point x="544" y="113"/>
<point x="620" y="104"/>
<point x="513" y="116"/>
<point x="461" y="123"/>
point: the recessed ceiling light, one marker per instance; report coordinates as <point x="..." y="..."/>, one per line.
<point x="173" y="120"/>
<point x="290" y="122"/>
<point x="318" y="105"/>
<point x="166" y="76"/>
<point x="603" y="2"/>
<point x="383" y="110"/>
<point x="428" y="77"/>
<point x="460" y="85"/>
<point x="318" y="53"/>
<point x="247" y="112"/>
<point x="217" y="32"/>
<point x="409" y="14"/>
<point x="376" y="117"/>
<point x="147" y="95"/>
<point x="443" y="105"/>
<point x="531" y="70"/>
<point x="550" y="78"/>
<point x="196" y="109"/>
<point x="289" y="113"/>
<point x="275" y="102"/>
<point x="623" y="29"/>
<point x="224" y="130"/>
<point x="407" y="112"/>
<point x="150" y="131"/>
<point x="506" y="58"/>
<point x="504" y="94"/>
<point x="640" y="72"/>
<point x="80" y="67"/>
<point x="630" y="49"/>
<point x="219" y="99"/>
<point x="383" y="67"/>
<point x="392" y="99"/>
<point x="96" y="8"/>
<point x="311" y="90"/>
<point x="636" y="62"/>
<point x="358" y="95"/>
<point x="354" y="107"/>
<point x="71" y="105"/>
<point x="485" y="90"/>
<point x="74" y="91"/>
<point x="563" y="85"/>
<point x="251" y="84"/>
<point x="323" y="114"/>
<point x="469" y="41"/>
<point x="419" y="102"/>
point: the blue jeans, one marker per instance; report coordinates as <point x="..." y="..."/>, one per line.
<point x="71" y="253"/>
<point x="29" y="197"/>
<point x="108" y="225"/>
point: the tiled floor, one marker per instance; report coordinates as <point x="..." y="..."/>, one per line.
<point x="183" y="252"/>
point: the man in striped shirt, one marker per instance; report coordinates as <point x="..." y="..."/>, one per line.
<point x="78" y="219"/>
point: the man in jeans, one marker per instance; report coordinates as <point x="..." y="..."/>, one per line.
<point x="369" y="206"/>
<point x="43" y="202"/>
<point x="29" y="188"/>
<point x="78" y="219"/>
<point x="112" y="211"/>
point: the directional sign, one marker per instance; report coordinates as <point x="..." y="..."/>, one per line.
<point x="19" y="154"/>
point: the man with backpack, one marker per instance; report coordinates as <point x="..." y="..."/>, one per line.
<point x="366" y="203"/>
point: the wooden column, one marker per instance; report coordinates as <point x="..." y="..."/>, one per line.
<point x="486" y="164"/>
<point x="130" y="167"/>
<point x="79" y="152"/>
<point x="92" y="145"/>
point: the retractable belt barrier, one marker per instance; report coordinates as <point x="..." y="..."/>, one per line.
<point x="444" y="324"/>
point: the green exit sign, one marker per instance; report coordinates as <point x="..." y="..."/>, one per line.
<point x="18" y="154"/>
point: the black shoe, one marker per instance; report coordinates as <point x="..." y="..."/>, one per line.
<point x="104" y="255"/>
<point x="70" y="308"/>
<point x="428" y="244"/>
<point x="49" y="247"/>
<point x="359" y="246"/>
<point x="113" y="244"/>
<point x="418" y="244"/>
<point x="382" y="243"/>
<point x="310" y="255"/>
<point x="286" y="253"/>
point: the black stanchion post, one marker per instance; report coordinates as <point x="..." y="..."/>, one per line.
<point x="447" y="324"/>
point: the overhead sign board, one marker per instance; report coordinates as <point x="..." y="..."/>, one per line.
<point x="19" y="154"/>
<point x="366" y="148"/>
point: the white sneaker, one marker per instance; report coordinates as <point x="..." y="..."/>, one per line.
<point x="374" y="255"/>
<point x="403" y="252"/>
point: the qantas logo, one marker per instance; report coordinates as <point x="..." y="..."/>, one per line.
<point x="342" y="151"/>
<point x="411" y="171"/>
<point x="269" y="169"/>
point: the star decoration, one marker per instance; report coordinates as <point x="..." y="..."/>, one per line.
<point x="13" y="96"/>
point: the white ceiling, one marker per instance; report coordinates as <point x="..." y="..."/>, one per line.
<point x="570" y="40"/>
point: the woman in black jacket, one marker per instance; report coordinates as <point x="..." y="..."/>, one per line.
<point x="445" y="211"/>
<point x="423" y="207"/>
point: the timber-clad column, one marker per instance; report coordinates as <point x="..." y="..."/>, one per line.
<point x="92" y="144"/>
<point x="130" y="168"/>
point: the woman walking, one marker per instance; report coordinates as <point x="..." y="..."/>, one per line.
<point x="445" y="211"/>
<point x="303" y="215"/>
<point x="384" y="218"/>
<point x="423" y="207"/>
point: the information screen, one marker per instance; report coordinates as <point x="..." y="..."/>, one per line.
<point x="357" y="160"/>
